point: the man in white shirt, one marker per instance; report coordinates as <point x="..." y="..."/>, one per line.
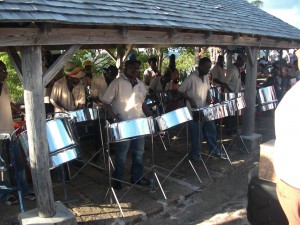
<point x="125" y="99"/>
<point x="195" y="89"/>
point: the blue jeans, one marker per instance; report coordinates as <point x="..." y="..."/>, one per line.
<point x="199" y="129"/>
<point x="5" y="190"/>
<point x="137" y="166"/>
<point x="13" y="155"/>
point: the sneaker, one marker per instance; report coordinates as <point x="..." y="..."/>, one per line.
<point x="142" y="182"/>
<point x="11" y="200"/>
<point x="117" y="185"/>
<point x="30" y="197"/>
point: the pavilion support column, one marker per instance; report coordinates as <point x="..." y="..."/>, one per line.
<point x="251" y="139"/>
<point x="250" y="91"/>
<point x="36" y="129"/>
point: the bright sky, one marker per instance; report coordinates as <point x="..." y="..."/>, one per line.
<point x="286" y="10"/>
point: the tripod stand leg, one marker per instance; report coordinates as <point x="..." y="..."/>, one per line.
<point x="205" y="167"/>
<point x="159" y="184"/>
<point x="117" y="201"/>
<point x="197" y="175"/>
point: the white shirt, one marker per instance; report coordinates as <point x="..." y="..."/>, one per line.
<point x="196" y="89"/>
<point x="69" y="100"/>
<point x="287" y="144"/>
<point x="156" y="86"/>
<point x="126" y="100"/>
<point x="98" y="87"/>
<point x="6" y="120"/>
<point x="233" y="79"/>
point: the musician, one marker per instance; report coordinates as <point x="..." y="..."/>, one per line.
<point x="218" y="72"/>
<point x="87" y="79"/>
<point x="125" y="100"/>
<point x="157" y="89"/>
<point x="6" y="127"/>
<point x="233" y="84"/>
<point x="233" y="80"/>
<point x="68" y="94"/>
<point x="174" y="83"/>
<point x="152" y="71"/>
<point x="99" y="84"/>
<point x="195" y="90"/>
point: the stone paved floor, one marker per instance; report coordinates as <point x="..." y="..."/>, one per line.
<point x="220" y="200"/>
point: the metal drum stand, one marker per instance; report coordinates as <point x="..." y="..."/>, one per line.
<point x="100" y="151"/>
<point x="238" y="133"/>
<point x="110" y="189"/>
<point x="220" y="144"/>
<point x="170" y="123"/>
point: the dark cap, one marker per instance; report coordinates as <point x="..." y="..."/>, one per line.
<point x="130" y="62"/>
<point x="112" y="70"/>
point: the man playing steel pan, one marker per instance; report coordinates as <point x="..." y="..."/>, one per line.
<point x="68" y="94"/>
<point x="125" y="100"/>
<point x="195" y="90"/>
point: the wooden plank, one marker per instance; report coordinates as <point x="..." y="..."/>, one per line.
<point x="16" y="61"/>
<point x="58" y="64"/>
<point x="36" y="129"/>
<point x="69" y="36"/>
<point x="128" y="50"/>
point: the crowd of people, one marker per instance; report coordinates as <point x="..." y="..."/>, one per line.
<point x="124" y="97"/>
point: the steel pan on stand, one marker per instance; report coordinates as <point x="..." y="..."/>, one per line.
<point x="62" y="142"/>
<point x="267" y="99"/>
<point x="173" y="118"/>
<point x="130" y="129"/>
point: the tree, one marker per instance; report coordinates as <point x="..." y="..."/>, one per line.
<point x="13" y="81"/>
<point x="257" y="3"/>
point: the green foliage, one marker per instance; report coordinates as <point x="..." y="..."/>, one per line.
<point x="13" y="81"/>
<point x="100" y="58"/>
<point x="257" y="3"/>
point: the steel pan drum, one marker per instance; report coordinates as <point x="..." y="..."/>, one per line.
<point x="131" y="129"/>
<point x="208" y="113"/>
<point x="4" y="151"/>
<point x="215" y="94"/>
<point x="62" y="142"/>
<point x="240" y="102"/>
<point x="173" y="118"/>
<point x="84" y="115"/>
<point x="229" y="107"/>
<point x="267" y="98"/>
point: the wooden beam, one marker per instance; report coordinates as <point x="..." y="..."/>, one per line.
<point x="36" y="129"/>
<point x="58" y="64"/>
<point x="16" y="61"/>
<point x="111" y="55"/>
<point x="128" y="50"/>
<point x="63" y="36"/>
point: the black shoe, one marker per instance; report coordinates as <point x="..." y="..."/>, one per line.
<point x="219" y="155"/>
<point x="142" y="182"/>
<point x="216" y="154"/>
<point x="117" y="185"/>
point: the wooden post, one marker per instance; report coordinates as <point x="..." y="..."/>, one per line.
<point x="36" y="129"/>
<point x="250" y="91"/>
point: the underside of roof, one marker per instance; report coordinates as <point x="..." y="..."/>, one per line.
<point x="222" y="17"/>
